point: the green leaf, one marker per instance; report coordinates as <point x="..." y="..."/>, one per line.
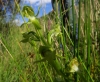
<point x="25" y="40"/>
<point x="50" y="55"/>
<point x="34" y="36"/>
<point x="25" y="35"/>
<point x="43" y="49"/>
<point x="28" y="11"/>
<point x="30" y="37"/>
<point x="27" y="23"/>
<point x="32" y="42"/>
<point x="47" y="53"/>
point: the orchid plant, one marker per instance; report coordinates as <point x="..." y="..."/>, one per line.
<point x="46" y="49"/>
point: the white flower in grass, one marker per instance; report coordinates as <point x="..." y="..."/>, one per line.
<point x="74" y="65"/>
<point x="74" y="68"/>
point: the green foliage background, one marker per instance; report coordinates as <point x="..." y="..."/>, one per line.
<point x="32" y="52"/>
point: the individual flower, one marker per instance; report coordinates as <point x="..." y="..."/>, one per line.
<point x="74" y="65"/>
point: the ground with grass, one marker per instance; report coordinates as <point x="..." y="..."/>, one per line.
<point x="40" y="52"/>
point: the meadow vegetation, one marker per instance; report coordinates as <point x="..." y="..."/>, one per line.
<point x="43" y="50"/>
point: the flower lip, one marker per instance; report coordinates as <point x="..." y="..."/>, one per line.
<point x="74" y="68"/>
<point x="74" y="65"/>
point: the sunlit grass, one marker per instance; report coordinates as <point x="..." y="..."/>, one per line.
<point x="76" y="60"/>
